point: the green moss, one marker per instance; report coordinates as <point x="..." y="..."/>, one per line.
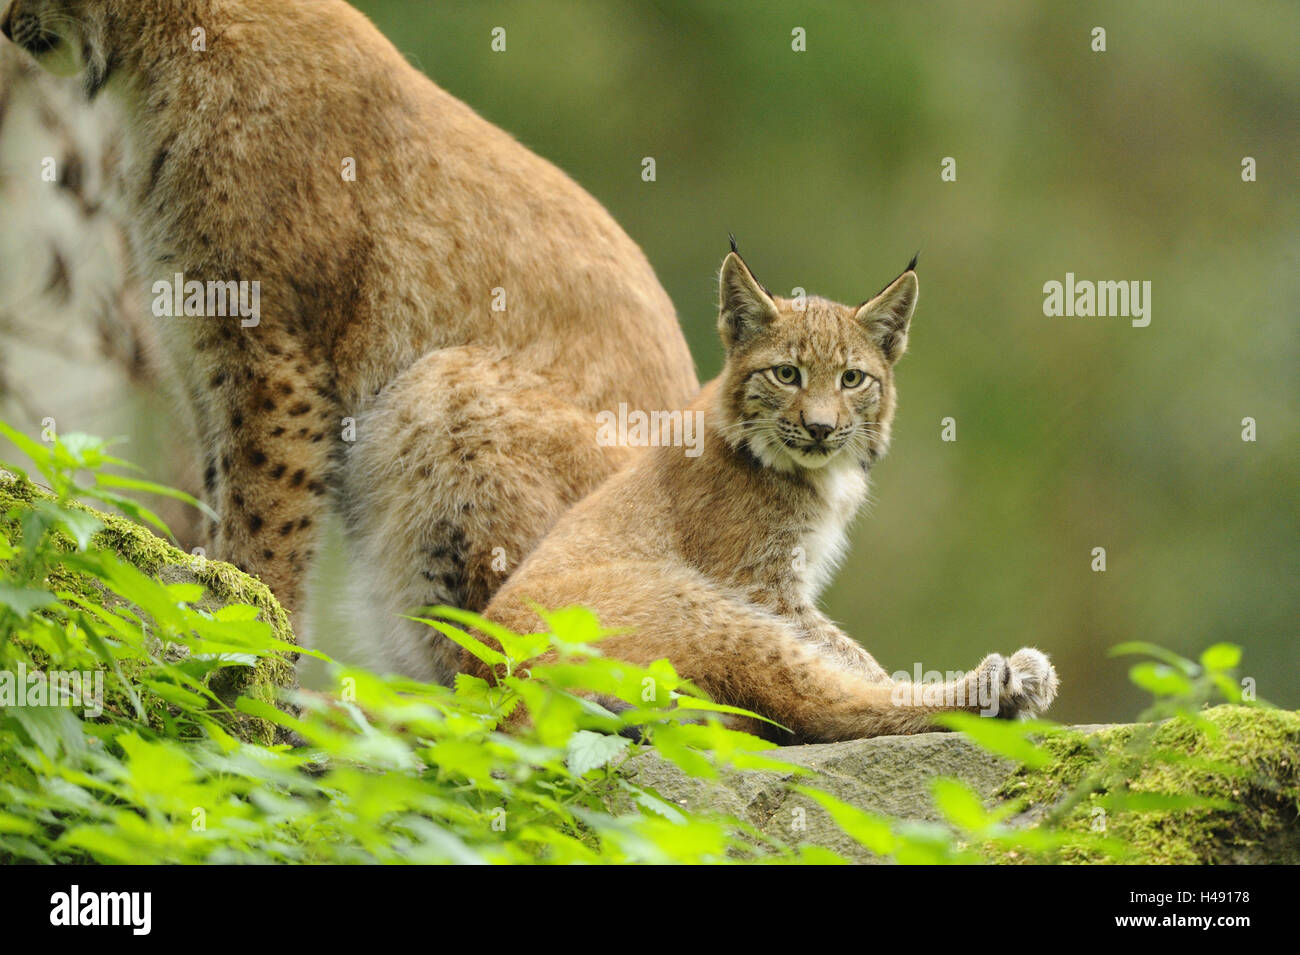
<point x="1246" y="760"/>
<point x="223" y="583"/>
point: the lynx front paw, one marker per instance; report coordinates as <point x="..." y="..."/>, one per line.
<point x="1023" y="686"/>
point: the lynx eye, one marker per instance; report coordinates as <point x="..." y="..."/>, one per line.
<point x="853" y="378"/>
<point x="786" y="374"/>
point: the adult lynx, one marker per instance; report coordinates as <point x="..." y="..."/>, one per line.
<point x="716" y="561"/>
<point x="424" y="281"/>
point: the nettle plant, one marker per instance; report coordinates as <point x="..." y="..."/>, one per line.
<point x="385" y="769"/>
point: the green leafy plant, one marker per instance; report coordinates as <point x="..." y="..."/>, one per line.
<point x="191" y="754"/>
<point x="383" y="770"/>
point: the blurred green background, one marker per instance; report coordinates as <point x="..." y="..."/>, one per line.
<point x="1072" y="433"/>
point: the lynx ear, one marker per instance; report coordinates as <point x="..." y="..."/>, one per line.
<point x="887" y="316"/>
<point x="744" y="306"/>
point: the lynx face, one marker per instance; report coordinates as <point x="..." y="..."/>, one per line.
<point x="810" y="387"/>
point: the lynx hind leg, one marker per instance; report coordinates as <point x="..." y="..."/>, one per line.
<point x="737" y="653"/>
<point x="746" y="657"/>
<point x="458" y="470"/>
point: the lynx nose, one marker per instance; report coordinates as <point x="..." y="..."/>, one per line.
<point x="818" y="431"/>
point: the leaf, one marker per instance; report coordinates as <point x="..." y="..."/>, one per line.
<point x="12" y="823"/>
<point x="175" y="694"/>
<point x="156" y="767"/>
<point x="474" y="621"/>
<point x="81" y="527"/>
<point x="465" y="757"/>
<point x="695" y="703"/>
<point x="1228" y="687"/>
<point x="81" y="449"/>
<point x="475" y="646"/>
<point x="149" y="487"/>
<point x="185" y="592"/>
<point x="38" y="452"/>
<point x="22" y="600"/>
<point x="1221" y="657"/>
<point x="1001" y="737"/>
<point x="1153" y="650"/>
<point x="870" y="831"/>
<point x="572" y="624"/>
<point x="471" y="687"/>
<point x="133" y="509"/>
<point x="587" y="750"/>
<point x="128" y="582"/>
<point x="1131" y="801"/>
<point x="103" y="844"/>
<point x="649" y="801"/>
<point x="217" y="733"/>
<point x="236" y="613"/>
<point x="53" y="729"/>
<point x="1160" y="679"/>
<point x="959" y="804"/>
<point x="263" y="710"/>
<point x="929" y="843"/>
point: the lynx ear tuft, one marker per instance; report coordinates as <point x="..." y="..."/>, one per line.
<point x="888" y="315"/>
<point x="744" y="306"/>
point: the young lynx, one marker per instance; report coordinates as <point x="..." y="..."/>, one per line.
<point x="716" y="561"/>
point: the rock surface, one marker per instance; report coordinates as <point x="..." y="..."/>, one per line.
<point x="888" y="775"/>
<point x="1245" y="756"/>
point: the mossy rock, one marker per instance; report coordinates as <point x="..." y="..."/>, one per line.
<point x="223" y="583"/>
<point x="1244" y="759"/>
